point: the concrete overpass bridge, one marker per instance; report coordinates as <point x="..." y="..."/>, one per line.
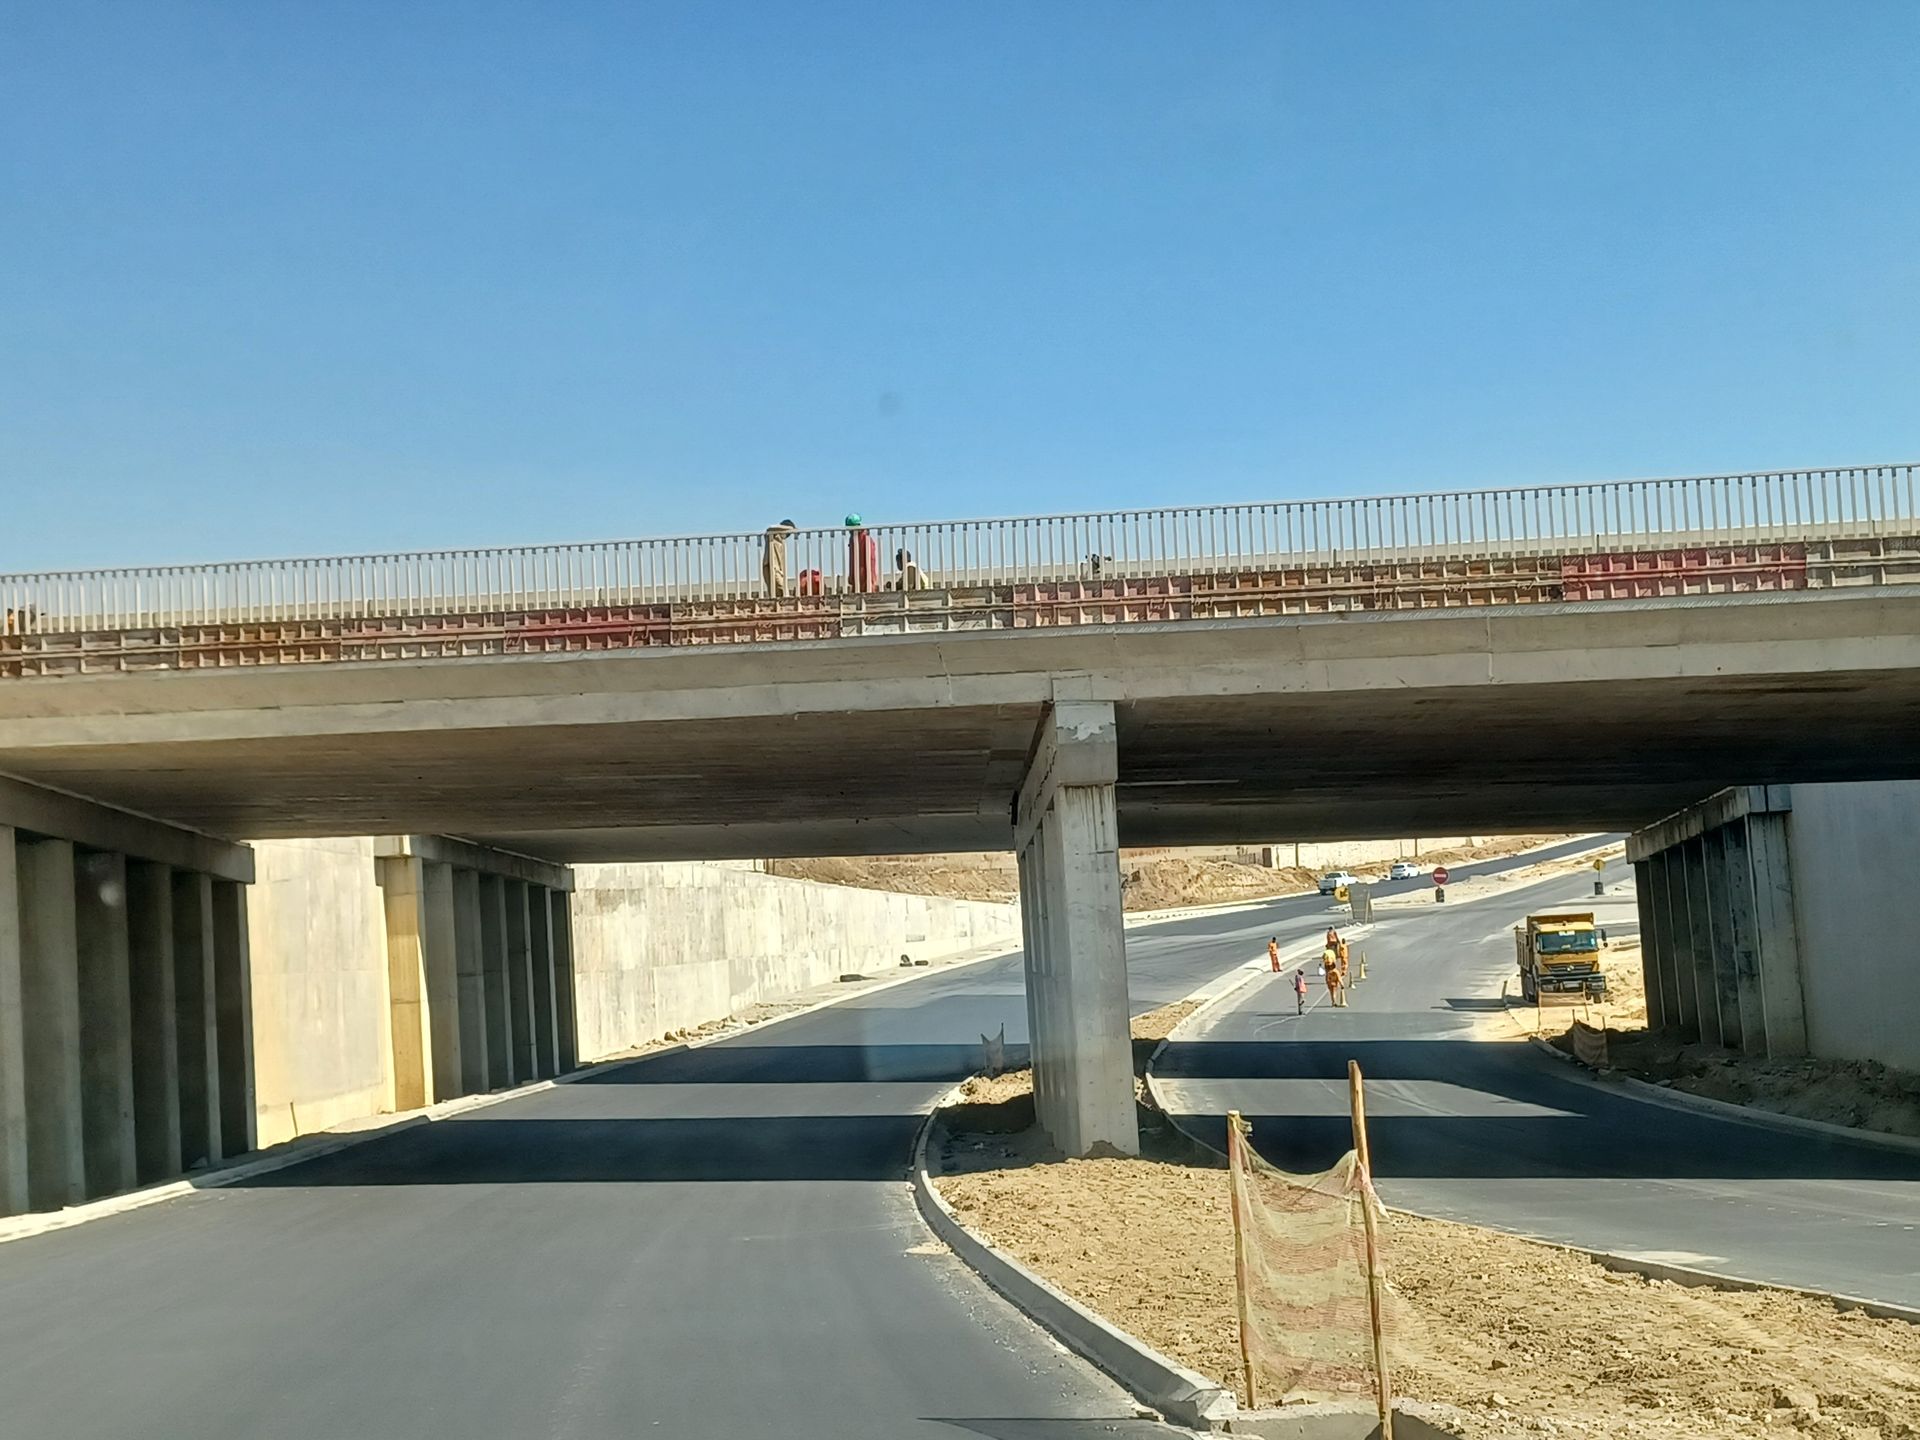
<point x="1580" y="657"/>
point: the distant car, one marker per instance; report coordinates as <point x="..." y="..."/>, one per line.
<point x="1404" y="870"/>
<point x="1332" y="882"/>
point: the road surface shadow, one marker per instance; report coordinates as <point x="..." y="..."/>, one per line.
<point x="736" y="1063"/>
<point x="474" y="1150"/>
<point x="1534" y="1120"/>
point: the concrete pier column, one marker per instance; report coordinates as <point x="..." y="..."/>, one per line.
<point x="196" y="1020"/>
<point x="106" y="1021"/>
<point x="1699" y="921"/>
<point x="442" y="975"/>
<point x="1776" y="936"/>
<point x="1651" y="941"/>
<point x="493" y="951"/>
<point x="50" y="1024"/>
<point x="1726" y="980"/>
<point x="1066" y="809"/>
<point x="519" y="980"/>
<point x="566" y="1036"/>
<point x="472" y="982"/>
<point x="1038" y="978"/>
<point x="401" y="898"/>
<point x="1737" y="918"/>
<point x="233" y="1016"/>
<point x="156" y="1049"/>
<point x="13" y="1070"/>
<point x="546" y="1038"/>
<point x="1679" y="943"/>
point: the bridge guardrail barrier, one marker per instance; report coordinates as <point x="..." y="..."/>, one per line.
<point x="1591" y="519"/>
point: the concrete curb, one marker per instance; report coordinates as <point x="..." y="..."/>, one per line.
<point x="1753" y="1115"/>
<point x="328" y="1142"/>
<point x="1628" y="1264"/>
<point x="1183" y="1396"/>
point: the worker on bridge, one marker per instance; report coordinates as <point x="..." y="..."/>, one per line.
<point x="1300" y="992"/>
<point x="1273" y="953"/>
<point x="773" y="560"/>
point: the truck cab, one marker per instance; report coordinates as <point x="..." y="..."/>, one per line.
<point x="1559" y="955"/>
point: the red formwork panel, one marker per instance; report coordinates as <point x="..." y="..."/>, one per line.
<point x="1691" y="570"/>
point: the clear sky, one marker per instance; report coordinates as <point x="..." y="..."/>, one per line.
<point x="314" y="277"/>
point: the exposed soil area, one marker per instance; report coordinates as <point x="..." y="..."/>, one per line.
<point x="1147" y="882"/>
<point x="1525" y="1339"/>
<point x="1861" y="1093"/>
<point x="984" y="876"/>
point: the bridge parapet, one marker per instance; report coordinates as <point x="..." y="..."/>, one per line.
<point x="1631" y="539"/>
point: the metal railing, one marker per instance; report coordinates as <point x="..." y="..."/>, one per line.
<point x="1555" y="519"/>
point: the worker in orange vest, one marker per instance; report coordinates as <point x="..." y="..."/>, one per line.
<point x="1330" y="968"/>
<point x="1273" y="953"/>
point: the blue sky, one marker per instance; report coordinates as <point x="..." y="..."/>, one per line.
<point x="290" y="278"/>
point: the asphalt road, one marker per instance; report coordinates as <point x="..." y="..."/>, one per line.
<point x="1469" y="1123"/>
<point x="711" y="1242"/>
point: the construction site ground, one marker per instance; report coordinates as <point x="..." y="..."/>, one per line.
<point x="1859" y="1093"/>
<point x="1147" y="882"/>
<point x="1524" y="1339"/>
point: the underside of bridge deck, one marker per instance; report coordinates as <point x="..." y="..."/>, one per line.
<point x="1315" y="727"/>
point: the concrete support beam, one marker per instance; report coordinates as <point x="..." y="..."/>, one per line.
<point x="106" y="1021"/>
<point x="1726" y="980"/>
<point x="401" y="897"/>
<point x="1066" y="832"/>
<point x="1776" y="936"/>
<point x="493" y="951"/>
<point x="482" y="859"/>
<point x="546" y="1036"/>
<point x="519" y="980"/>
<point x="1651" y="943"/>
<point x="1737" y="916"/>
<point x="1723" y="807"/>
<point x="13" y="1070"/>
<point x="567" y="1036"/>
<point x="121" y="832"/>
<point x="50" y="1024"/>
<point x="442" y="976"/>
<point x="196" y="1019"/>
<point x="470" y="967"/>
<point x="1699" y="922"/>
<point x="156" y="1048"/>
<point x="233" y="1013"/>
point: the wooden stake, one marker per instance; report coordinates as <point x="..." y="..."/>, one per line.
<point x="1237" y="1132"/>
<point x="1357" y="1096"/>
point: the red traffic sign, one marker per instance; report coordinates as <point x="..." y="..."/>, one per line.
<point x="1439" y="874"/>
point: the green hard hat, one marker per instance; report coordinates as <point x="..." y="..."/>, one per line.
<point x="853" y="519"/>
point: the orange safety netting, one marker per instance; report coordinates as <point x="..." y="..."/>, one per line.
<point x="1302" y="1255"/>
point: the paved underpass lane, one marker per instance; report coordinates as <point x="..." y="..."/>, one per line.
<point x="716" y="1241"/>
<point x="1472" y="1125"/>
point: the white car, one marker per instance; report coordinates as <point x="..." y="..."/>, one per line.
<point x="1332" y="882"/>
<point x="1404" y="870"/>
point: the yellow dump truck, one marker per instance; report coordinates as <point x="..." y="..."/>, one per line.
<point x="1559" y="955"/>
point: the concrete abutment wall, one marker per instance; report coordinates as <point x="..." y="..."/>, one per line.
<point x="1756" y="893"/>
<point x="658" y="948"/>
<point x="123" y="999"/>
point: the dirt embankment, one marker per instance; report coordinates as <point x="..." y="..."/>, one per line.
<point x="1147" y="882"/>
<point x="1860" y="1093"/>
<point x="1525" y="1339"/>
<point x="957" y="877"/>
